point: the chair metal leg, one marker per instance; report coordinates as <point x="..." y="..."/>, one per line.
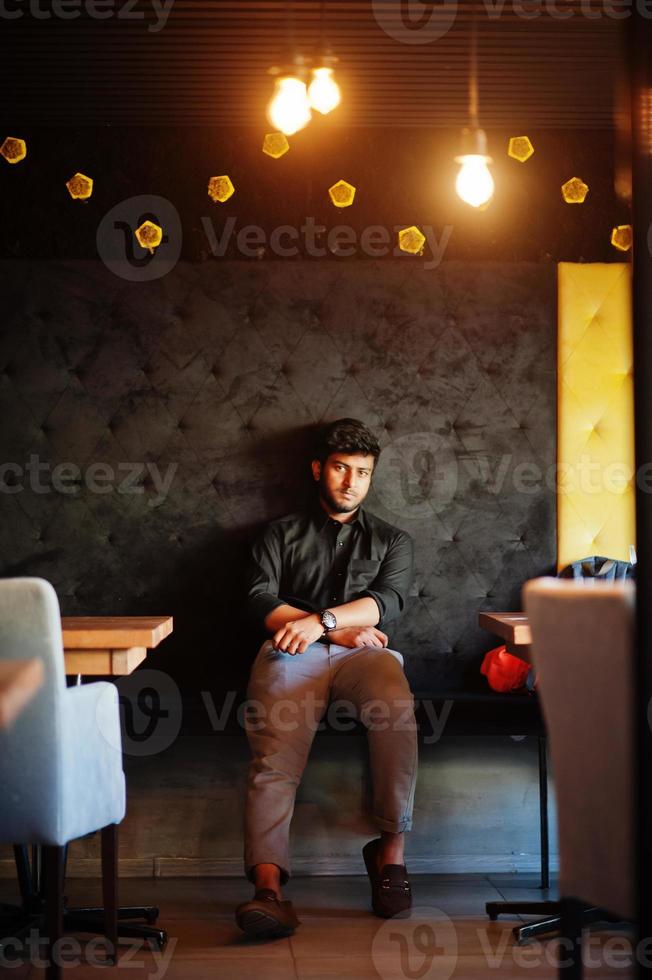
<point x="494" y="909"/>
<point x="570" y="948"/>
<point x="36" y="867"/>
<point x="53" y="858"/>
<point x="109" y="919"/>
<point x="550" y="924"/>
<point x="110" y="888"/>
<point x="27" y="893"/>
<point x="543" y="811"/>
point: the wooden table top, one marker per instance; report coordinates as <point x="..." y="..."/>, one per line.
<point x="512" y="627"/>
<point x="19" y="682"/>
<point x="114" y="632"/>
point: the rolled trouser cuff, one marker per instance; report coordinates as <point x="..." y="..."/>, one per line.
<point x="393" y="826"/>
<point x="249" y="871"/>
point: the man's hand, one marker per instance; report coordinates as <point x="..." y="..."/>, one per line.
<point x="358" y="636"/>
<point x="296" y="637"/>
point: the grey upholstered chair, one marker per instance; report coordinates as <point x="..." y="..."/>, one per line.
<point x="582" y="649"/>
<point x="61" y="760"/>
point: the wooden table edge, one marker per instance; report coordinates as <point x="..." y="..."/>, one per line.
<point x="116" y="638"/>
<point x="517" y="634"/>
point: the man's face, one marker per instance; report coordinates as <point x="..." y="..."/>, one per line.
<point x="344" y="480"/>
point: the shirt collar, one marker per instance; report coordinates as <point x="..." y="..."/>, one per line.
<point x="320" y="518"/>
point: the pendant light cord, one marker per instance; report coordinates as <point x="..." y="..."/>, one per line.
<point x="289" y="29"/>
<point x="473" y="75"/>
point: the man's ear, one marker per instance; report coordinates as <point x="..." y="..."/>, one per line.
<point x="316" y="470"/>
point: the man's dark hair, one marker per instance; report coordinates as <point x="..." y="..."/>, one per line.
<point x="346" y="436"/>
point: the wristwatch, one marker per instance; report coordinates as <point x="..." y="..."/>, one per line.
<point x="327" y="619"/>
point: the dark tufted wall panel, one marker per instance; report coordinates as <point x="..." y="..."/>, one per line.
<point x="220" y="370"/>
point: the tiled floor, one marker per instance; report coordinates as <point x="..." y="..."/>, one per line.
<point x="447" y="936"/>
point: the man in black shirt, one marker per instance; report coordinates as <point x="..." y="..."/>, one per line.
<point x="323" y="586"/>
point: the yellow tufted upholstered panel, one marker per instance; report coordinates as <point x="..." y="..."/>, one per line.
<point x="595" y="513"/>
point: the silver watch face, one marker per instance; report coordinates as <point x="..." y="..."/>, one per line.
<point x="328" y="620"/>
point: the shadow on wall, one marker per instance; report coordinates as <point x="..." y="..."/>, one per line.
<point x="213" y="644"/>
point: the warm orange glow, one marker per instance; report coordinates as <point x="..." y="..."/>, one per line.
<point x="411" y="240"/>
<point x="289" y="109"/>
<point x="80" y="187"/>
<point x="149" y="235"/>
<point x="323" y="92"/>
<point x="621" y="238"/>
<point x="342" y="194"/>
<point x="574" y="191"/>
<point x="220" y="189"/>
<point x="520" y="148"/>
<point x="275" y="145"/>
<point x="13" y="149"/>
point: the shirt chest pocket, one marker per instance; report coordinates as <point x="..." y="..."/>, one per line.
<point x="362" y="572"/>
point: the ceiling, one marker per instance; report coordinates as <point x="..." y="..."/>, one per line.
<point x="205" y="62"/>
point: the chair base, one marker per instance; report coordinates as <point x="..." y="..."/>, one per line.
<point x="17" y="922"/>
<point x="549" y="926"/>
<point x="92" y="919"/>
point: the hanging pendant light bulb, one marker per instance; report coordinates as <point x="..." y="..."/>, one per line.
<point x="474" y="183"/>
<point x="324" y="92"/>
<point x="289" y="109"/>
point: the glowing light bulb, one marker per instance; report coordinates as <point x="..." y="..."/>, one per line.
<point x="324" y="92"/>
<point x="289" y="110"/>
<point x="474" y="183"/>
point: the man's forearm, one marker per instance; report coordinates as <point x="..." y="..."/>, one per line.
<point x="282" y="615"/>
<point x="360" y="612"/>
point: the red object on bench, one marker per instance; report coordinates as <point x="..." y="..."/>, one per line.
<point x="504" y="671"/>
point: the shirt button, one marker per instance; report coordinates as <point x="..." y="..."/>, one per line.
<point x="334" y="599"/>
<point x="341" y="544"/>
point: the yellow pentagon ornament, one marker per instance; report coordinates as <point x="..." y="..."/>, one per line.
<point x="275" y="145"/>
<point x="574" y="191"/>
<point x="80" y="187"/>
<point x="411" y="240"/>
<point x="220" y="189"/>
<point x="520" y="148"/>
<point x="149" y="235"/>
<point x="621" y="238"/>
<point x="13" y="149"/>
<point x="342" y="194"/>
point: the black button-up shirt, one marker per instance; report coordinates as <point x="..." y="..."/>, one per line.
<point x="312" y="562"/>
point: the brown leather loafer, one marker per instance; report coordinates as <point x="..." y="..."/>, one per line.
<point x="391" y="893"/>
<point x="265" y="916"/>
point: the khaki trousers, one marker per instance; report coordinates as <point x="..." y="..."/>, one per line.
<point x="287" y="698"/>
